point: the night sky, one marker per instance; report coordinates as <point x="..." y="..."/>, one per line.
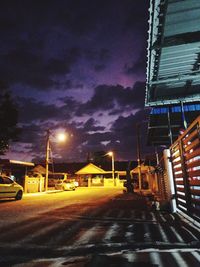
<point x="78" y="66"/>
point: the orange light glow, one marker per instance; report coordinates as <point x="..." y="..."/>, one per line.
<point x="61" y="137"/>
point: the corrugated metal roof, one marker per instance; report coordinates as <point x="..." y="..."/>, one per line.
<point x="173" y="72"/>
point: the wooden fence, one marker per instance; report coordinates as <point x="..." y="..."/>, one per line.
<point x="185" y="156"/>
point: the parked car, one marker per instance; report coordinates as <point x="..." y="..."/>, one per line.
<point x="9" y="188"/>
<point x="76" y="183"/>
<point x="65" y="185"/>
<point x="56" y="178"/>
<point x="73" y="181"/>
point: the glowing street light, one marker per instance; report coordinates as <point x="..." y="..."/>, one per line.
<point x="61" y="137"/>
<point x="111" y="154"/>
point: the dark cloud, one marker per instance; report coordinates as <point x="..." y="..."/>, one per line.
<point x="122" y="137"/>
<point x="90" y="125"/>
<point x="127" y="125"/>
<point x="125" y="130"/>
<point x="139" y="94"/>
<point x="82" y="20"/>
<point x="30" y="133"/>
<point x="101" y="54"/>
<point x="68" y="84"/>
<point x="99" y="67"/>
<point x="55" y="55"/>
<point x="99" y="58"/>
<point x="135" y="16"/>
<point x="89" y="137"/>
<point x="32" y="110"/>
<point x="139" y="66"/>
<point x="70" y="104"/>
<point x="114" y="98"/>
<point x="43" y="40"/>
<point x="33" y="69"/>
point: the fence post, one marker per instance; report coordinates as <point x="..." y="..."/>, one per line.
<point x="185" y="178"/>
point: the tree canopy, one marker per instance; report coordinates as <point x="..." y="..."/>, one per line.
<point x="9" y="130"/>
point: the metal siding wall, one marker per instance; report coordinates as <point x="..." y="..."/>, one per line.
<point x="185" y="154"/>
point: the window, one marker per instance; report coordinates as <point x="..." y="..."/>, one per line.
<point x="1" y="180"/>
<point x="7" y="180"/>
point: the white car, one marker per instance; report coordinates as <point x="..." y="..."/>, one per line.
<point x="9" y="188"/>
<point x="65" y="185"/>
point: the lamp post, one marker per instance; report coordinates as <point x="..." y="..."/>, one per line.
<point x="139" y="157"/>
<point x="47" y="160"/>
<point x="61" y="138"/>
<point x="111" y="154"/>
<point x="138" y="125"/>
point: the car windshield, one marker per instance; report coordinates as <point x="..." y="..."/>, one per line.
<point x="5" y="180"/>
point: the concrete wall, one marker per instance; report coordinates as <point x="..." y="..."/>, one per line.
<point x="33" y="185"/>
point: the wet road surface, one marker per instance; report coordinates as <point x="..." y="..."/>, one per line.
<point x="96" y="228"/>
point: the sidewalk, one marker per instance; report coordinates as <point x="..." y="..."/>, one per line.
<point x="42" y="193"/>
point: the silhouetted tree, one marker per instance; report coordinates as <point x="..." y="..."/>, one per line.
<point x="98" y="157"/>
<point x="8" y="119"/>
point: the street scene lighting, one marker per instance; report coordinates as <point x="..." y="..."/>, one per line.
<point x="61" y="137"/>
<point x="111" y="154"/>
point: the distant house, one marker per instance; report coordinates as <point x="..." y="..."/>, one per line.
<point x="92" y="175"/>
<point x="148" y="180"/>
<point x="39" y="169"/>
<point x="15" y="169"/>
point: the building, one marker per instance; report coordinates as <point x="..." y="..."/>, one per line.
<point x="173" y="94"/>
<point x="15" y="168"/>
<point x="146" y="182"/>
<point x="173" y="70"/>
<point x="91" y="175"/>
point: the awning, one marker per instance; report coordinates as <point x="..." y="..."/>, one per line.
<point x="173" y="71"/>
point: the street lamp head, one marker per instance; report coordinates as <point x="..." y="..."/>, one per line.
<point x="110" y="153"/>
<point x="61" y="137"/>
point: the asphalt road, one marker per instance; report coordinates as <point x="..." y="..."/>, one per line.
<point x="93" y="227"/>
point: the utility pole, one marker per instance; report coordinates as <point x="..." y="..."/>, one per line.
<point x="111" y="154"/>
<point x="47" y="159"/>
<point x="113" y="168"/>
<point x="139" y="157"/>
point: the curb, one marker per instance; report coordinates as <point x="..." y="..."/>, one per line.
<point x="42" y="193"/>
